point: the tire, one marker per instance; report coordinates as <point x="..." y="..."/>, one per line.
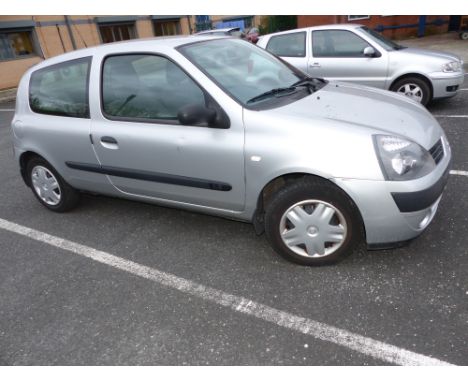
<point x="464" y="35"/>
<point x="416" y="86"/>
<point x="59" y="196"/>
<point x="308" y="194"/>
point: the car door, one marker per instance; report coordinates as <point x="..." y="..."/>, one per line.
<point x="292" y="47"/>
<point x="339" y="55"/>
<point x="59" y="122"/>
<point x="144" y="149"/>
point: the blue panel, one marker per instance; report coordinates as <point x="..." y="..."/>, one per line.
<point x="231" y="24"/>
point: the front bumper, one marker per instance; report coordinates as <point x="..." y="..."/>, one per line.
<point x="395" y="212"/>
<point x="446" y="84"/>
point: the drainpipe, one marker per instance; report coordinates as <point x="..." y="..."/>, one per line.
<point x="189" y="24"/>
<point x="70" y="32"/>
<point x="422" y="26"/>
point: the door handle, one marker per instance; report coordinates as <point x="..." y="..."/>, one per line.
<point x="315" y="65"/>
<point x="109" y="143"/>
<point x="108" y="140"/>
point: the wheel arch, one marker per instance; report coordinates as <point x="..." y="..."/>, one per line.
<point x="280" y="181"/>
<point x="417" y="75"/>
<point x="24" y="158"/>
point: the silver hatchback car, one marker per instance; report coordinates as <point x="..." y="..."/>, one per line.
<point x="355" y="53"/>
<point x="219" y="126"/>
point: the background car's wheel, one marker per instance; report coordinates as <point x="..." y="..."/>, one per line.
<point x="312" y="222"/>
<point x="49" y="187"/>
<point x="414" y="88"/>
<point x="464" y="35"/>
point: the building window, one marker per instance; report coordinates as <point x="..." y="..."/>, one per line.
<point x="202" y="23"/>
<point x="16" y="44"/>
<point x="167" y="28"/>
<point x="117" y="32"/>
<point x="352" y="18"/>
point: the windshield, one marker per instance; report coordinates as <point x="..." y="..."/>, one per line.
<point x="384" y="41"/>
<point x="243" y="70"/>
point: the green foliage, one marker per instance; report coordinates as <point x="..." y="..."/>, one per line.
<point x="271" y="24"/>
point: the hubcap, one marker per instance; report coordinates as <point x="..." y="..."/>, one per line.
<point x="412" y="91"/>
<point x="313" y="228"/>
<point x="45" y="185"/>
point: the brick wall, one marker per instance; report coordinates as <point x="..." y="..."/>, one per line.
<point x="375" y="21"/>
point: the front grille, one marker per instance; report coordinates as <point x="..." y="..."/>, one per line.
<point x="437" y="151"/>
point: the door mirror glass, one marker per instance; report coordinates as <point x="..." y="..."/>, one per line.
<point x="369" y="51"/>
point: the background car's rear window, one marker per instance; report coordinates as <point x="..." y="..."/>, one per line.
<point x="288" y="45"/>
<point x="61" y="89"/>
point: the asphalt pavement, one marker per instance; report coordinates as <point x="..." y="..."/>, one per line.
<point x="60" y="307"/>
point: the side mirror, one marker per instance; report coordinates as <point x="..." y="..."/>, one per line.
<point x="369" y="51"/>
<point x="196" y="115"/>
<point x="200" y="115"/>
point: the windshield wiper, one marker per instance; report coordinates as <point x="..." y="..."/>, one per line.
<point x="310" y="82"/>
<point x="278" y="92"/>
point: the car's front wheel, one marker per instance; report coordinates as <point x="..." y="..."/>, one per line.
<point x="49" y="187"/>
<point x="415" y="88"/>
<point x="312" y="222"/>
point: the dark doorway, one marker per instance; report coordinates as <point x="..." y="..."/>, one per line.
<point x="454" y="23"/>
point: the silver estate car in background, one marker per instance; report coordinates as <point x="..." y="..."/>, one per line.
<point x="360" y="55"/>
<point x="220" y="126"/>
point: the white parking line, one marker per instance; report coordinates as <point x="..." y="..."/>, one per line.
<point x="318" y="330"/>
<point x="449" y="116"/>
<point x="7" y="109"/>
<point x="459" y="172"/>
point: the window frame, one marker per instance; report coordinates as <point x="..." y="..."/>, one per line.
<point x="155" y="22"/>
<point x="34" y="43"/>
<point x="209" y="100"/>
<point x="132" y="24"/>
<point x="285" y="34"/>
<point x="89" y="60"/>
<point x="360" y="17"/>
<point x="377" y="51"/>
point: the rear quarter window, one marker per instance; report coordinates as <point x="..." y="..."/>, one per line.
<point x="61" y="89"/>
<point x="288" y="45"/>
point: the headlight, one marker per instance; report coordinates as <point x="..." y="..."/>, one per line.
<point x="453" y="66"/>
<point x="401" y="159"/>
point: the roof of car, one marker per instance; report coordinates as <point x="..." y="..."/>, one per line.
<point x="218" y="30"/>
<point x="318" y="27"/>
<point x="144" y="44"/>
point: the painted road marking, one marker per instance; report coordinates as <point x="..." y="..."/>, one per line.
<point x="7" y="109"/>
<point x="449" y="116"/>
<point x="458" y="172"/>
<point x="368" y="346"/>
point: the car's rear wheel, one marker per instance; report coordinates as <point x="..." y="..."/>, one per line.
<point x="312" y="222"/>
<point x="464" y="35"/>
<point x="415" y="88"/>
<point x="49" y="187"/>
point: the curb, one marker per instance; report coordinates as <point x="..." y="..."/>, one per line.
<point x="8" y="95"/>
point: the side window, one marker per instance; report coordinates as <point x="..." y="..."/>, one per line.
<point x="337" y="43"/>
<point x="288" y="45"/>
<point x="61" y="89"/>
<point x="146" y="86"/>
